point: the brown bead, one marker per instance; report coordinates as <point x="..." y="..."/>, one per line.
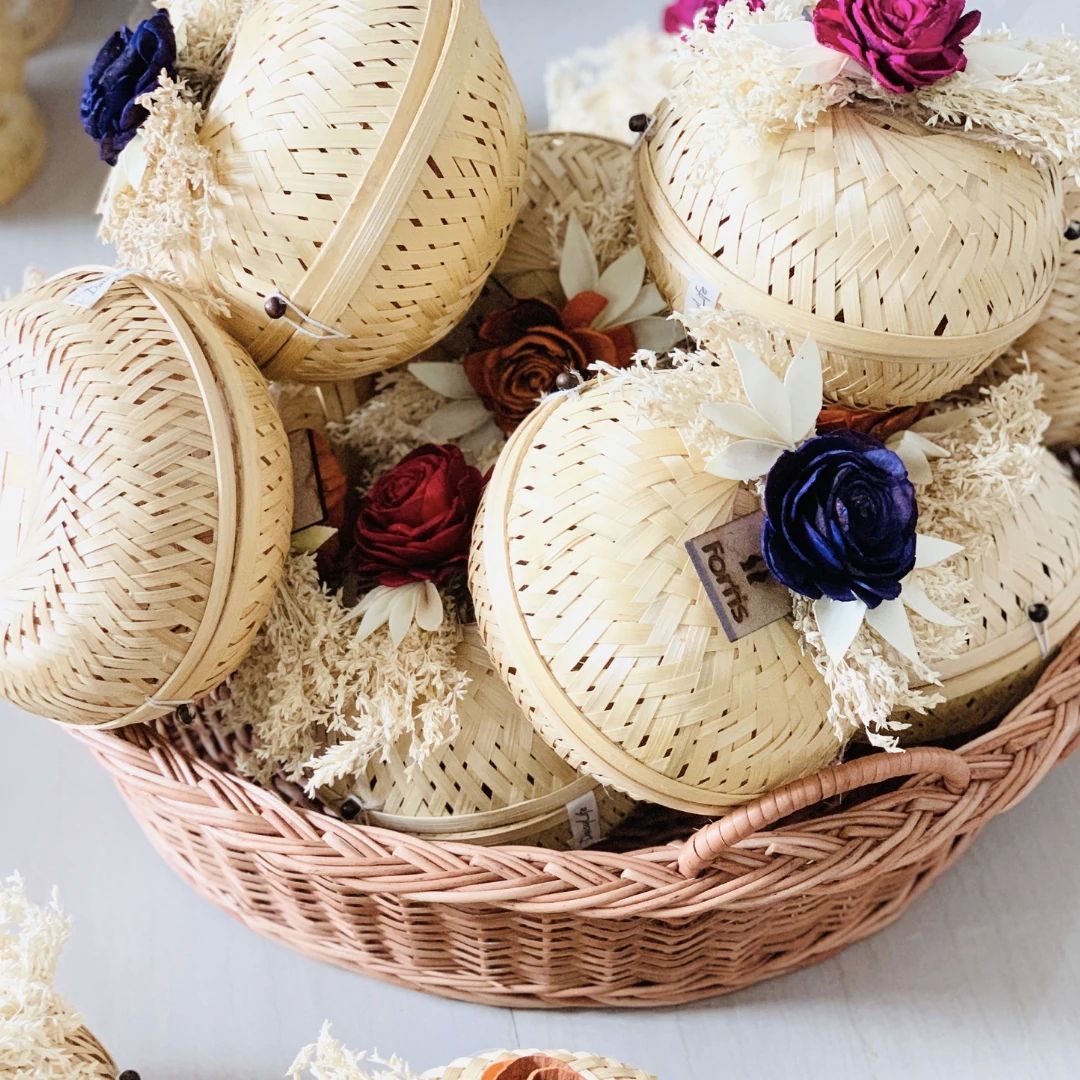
<point x="350" y="809"/>
<point x="130" y="1074"/>
<point x="185" y="714"/>
<point x="1072" y="230"/>
<point x="565" y="381"/>
<point x="275" y="307"/>
<point x="639" y="123"/>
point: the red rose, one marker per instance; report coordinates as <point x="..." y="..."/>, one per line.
<point x="531" y="344"/>
<point x="415" y="524"/>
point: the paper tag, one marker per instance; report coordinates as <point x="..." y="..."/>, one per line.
<point x="584" y="817"/>
<point x="309" y="505"/>
<point x="730" y="564"/>
<point x="87" y="296"/>
<point x="701" y="295"/>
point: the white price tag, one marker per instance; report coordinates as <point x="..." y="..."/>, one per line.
<point x="87" y="296"/>
<point x="584" y="817"/>
<point x="701" y="295"/>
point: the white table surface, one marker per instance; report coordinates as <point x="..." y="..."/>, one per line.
<point x="981" y="978"/>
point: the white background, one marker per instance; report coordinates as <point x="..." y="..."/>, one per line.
<point x="981" y="978"/>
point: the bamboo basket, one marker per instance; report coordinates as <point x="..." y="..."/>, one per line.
<point x="22" y="130"/>
<point x="568" y="173"/>
<point x="146" y="501"/>
<point x="1053" y="344"/>
<point x="913" y="256"/>
<point x="376" y="194"/>
<point x="37" y="22"/>
<point x="1034" y="558"/>
<point x="744" y="899"/>
<point x="93" y="1059"/>
<point x="537" y="1065"/>
<point x="594" y="613"/>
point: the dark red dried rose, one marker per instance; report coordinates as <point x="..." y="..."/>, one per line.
<point x="881" y="425"/>
<point x="415" y="524"/>
<point x="531" y="344"/>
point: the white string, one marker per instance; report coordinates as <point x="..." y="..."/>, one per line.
<point x="329" y="333"/>
<point x="1042" y="636"/>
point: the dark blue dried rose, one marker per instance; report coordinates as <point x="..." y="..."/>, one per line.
<point x="840" y="517"/>
<point x="128" y="66"/>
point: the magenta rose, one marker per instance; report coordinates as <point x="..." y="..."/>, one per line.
<point x="905" y="43"/>
<point x="680" y="15"/>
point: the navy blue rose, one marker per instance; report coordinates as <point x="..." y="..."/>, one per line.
<point x="128" y="66"/>
<point x="840" y="517"/>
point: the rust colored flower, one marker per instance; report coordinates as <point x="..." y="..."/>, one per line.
<point x="881" y="425"/>
<point x="528" y="346"/>
<point x="533" y="1067"/>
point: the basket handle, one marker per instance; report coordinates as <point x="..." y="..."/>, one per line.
<point x="718" y="836"/>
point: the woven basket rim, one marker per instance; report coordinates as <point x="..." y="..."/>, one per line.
<point x="647" y="881"/>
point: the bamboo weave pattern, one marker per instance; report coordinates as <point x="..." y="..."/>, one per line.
<point x="587" y="1066"/>
<point x="913" y="257"/>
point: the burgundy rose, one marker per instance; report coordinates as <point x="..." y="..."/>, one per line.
<point x="881" y="425"/>
<point x="528" y="346"/>
<point x="905" y="43"/>
<point x="415" y="524"/>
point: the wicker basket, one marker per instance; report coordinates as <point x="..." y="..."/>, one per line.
<point x="1034" y="558"/>
<point x="146" y="501"/>
<point x="913" y="256"/>
<point x="1053" y="344"/>
<point x="37" y="22"/>
<point x="537" y="1065"/>
<point x="568" y="173"/>
<point x="92" y="1059"/>
<point x="591" y="606"/>
<point x="376" y="194"/>
<point x="520" y="926"/>
<point x="22" y="130"/>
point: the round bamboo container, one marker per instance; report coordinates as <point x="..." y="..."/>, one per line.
<point x="913" y="256"/>
<point x="568" y="173"/>
<point x="37" y="22"/>
<point x="591" y="607"/>
<point x="91" y="1058"/>
<point x="537" y="1065"/>
<point x="496" y="782"/>
<point x="1033" y="558"/>
<point x="22" y="130"/>
<point x="147" y="501"/>
<point x="379" y="198"/>
<point x="1053" y="343"/>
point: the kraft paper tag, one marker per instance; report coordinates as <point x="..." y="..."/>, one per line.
<point x="309" y="507"/>
<point x="730" y="564"/>
<point x="584" y="814"/>
<point x="701" y="295"/>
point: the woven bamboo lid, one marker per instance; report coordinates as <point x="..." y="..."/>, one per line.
<point x="497" y="781"/>
<point x="537" y="1065"/>
<point x="1034" y="558"/>
<point x="592" y="609"/>
<point x="369" y="156"/>
<point x="567" y="174"/>
<point x="913" y="256"/>
<point x="147" y="501"/>
<point x="1053" y="343"/>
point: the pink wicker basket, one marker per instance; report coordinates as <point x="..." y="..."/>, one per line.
<point x="707" y="913"/>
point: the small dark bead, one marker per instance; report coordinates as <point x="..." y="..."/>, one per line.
<point x="130" y="1074"/>
<point x="1038" y="613"/>
<point x="1072" y="230"/>
<point x="350" y="809"/>
<point x="185" y="714"/>
<point x="565" y="381"/>
<point x="275" y="307"/>
<point x="639" y="123"/>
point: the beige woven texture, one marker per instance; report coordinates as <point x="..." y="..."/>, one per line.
<point x="1053" y="344"/>
<point x="913" y="257"/>
<point x="93" y="1059"/>
<point x="369" y="157"/>
<point x="36" y="22"/>
<point x="591" y="606"/>
<point x="543" y="1064"/>
<point x="22" y="129"/>
<point x="147" y="502"/>
<point x="1033" y="558"/>
<point x="497" y="781"/>
<point x="529" y="927"/>
<point x="567" y="174"/>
